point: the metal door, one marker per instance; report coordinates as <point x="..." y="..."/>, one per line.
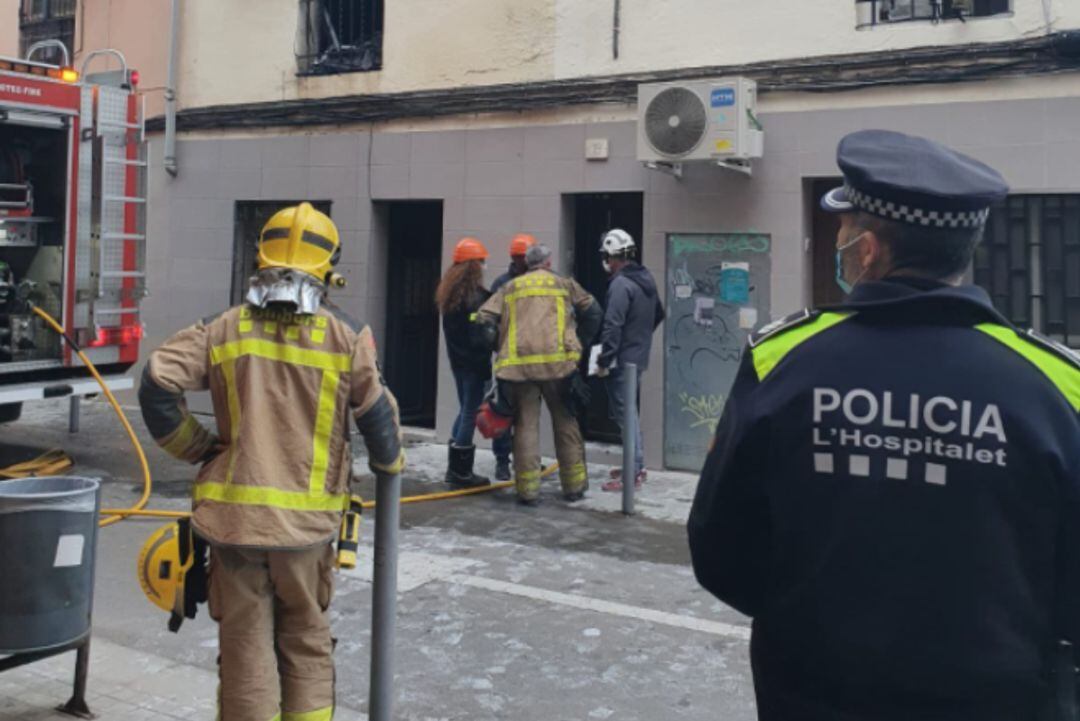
<point x="717" y="294"/>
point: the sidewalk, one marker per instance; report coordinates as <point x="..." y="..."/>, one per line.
<point x="127" y="685"/>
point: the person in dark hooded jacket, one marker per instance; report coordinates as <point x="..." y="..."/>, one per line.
<point x="633" y="312"/>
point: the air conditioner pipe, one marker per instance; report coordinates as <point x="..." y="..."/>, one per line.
<point x="171" y="166"/>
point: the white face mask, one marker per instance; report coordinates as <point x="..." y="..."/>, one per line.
<point x="607" y="266"/>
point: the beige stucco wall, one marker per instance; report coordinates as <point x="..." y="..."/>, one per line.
<point x="9" y="27"/>
<point x="679" y="33"/>
<point x="137" y="28"/>
<point x="427" y="45"/>
<point x="243" y="50"/>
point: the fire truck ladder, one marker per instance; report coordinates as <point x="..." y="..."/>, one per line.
<point x="120" y="208"/>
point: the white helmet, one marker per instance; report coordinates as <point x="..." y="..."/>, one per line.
<point x="617" y="242"/>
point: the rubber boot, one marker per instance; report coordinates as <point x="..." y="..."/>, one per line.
<point x="502" y="469"/>
<point x="461" y="473"/>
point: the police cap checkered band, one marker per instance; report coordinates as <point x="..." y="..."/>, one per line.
<point x="916" y="216"/>
<point x="913" y="180"/>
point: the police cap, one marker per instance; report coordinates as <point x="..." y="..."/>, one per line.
<point x="913" y="180"/>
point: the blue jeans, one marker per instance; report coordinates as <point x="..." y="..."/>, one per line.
<point x="471" y="387"/>
<point x="613" y="382"/>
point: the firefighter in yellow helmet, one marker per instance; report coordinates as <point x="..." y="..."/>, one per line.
<point x="287" y="372"/>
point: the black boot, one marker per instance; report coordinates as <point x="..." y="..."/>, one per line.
<point x="502" y="469"/>
<point x="461" y="473"/>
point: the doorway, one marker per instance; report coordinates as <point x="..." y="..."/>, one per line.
<point x="593" y="214"/>
<point x="823" y="228"/>
<point x="413" y="262"/>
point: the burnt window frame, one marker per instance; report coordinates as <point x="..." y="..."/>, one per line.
<point x="339" y="36"/>
<point x="47" y="20"/>
<point x="938" y="11"/>
<point x="1029" y="263"/>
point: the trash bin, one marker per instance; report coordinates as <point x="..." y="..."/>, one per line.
<point x="48" y="532"/>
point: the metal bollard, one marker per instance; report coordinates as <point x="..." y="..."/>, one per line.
<point x="384" y="597"/>
<point x="73" y="414"/>
<point x="629" y="437"/>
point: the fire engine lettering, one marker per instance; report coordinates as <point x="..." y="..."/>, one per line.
<point x="20" y="90"/>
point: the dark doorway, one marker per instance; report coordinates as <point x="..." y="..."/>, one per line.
<point x="413" y="260"/>
<point x="824" y="227"/>
<point x="249" y="218"/>
<point x="593" y="215"/>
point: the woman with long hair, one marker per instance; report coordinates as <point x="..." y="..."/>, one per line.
<point x="459" y="295"/>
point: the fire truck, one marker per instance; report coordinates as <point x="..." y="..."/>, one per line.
<point x="73" y="169"/>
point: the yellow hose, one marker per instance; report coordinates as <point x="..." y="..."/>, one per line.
<point x="52" y="462"/>
<point x="145" y="497"/>
<point x="47" y="464"/>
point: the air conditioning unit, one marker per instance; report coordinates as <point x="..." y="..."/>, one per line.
<point x="705" y="120"/>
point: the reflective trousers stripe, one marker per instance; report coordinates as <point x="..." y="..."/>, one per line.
<point x="272" y="497"/>
<point x="324" y="427"/>
<point x="262" y="348"/>
<point x="323" y="714"/>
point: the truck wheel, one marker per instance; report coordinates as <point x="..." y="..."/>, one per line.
<point x="10" y="412"/>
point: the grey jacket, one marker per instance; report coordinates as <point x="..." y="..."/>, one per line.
<point x="633" y="312"/>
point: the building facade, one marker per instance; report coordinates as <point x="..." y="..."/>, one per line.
<point x="415" y="123"/>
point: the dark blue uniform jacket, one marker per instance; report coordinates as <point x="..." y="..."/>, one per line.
<point x="894" y="497"/>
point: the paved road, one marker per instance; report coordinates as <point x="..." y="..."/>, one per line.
<point x="558" y="612"/>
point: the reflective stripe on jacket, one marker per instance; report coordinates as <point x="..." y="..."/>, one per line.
<point x="283" y="387"/>
<point x="537" y="328"/>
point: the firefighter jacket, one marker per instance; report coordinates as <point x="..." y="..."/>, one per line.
<point x="283" y="387"/>
<point x="537" y="317"/>
<point x="893" y="494"/>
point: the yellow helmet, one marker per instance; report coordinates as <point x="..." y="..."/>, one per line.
<point x="164" y="562"/>
<point x="300" y="238"/>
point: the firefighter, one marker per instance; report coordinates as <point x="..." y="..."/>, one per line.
<point x="539" y="323"/>
<point x="519" y="245"/>
<point x="893" y="493"/>
<point x="286" y="371"/>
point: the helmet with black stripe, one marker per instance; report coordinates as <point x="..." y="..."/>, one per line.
<point x="300" y="238"/>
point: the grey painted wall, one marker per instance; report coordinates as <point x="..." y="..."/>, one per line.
<point x="497" y="182"/>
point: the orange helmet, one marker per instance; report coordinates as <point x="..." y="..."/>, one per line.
<point x="469" y="249"/>
<point x="521" y="243"/>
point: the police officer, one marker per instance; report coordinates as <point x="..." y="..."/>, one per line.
<point x="893" y="493"/>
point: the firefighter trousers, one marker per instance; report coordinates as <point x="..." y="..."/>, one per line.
<point x="275" y="660"/>
<point x="525" y="397"/>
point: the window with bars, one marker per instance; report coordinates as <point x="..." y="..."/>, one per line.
<point x="47" y="20"/>
<point x="1029" y="262"/>
<point x="340" y="36"/>
<point x="884" y="12"/>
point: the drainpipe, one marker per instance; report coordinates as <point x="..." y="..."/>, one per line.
<point x="170" y="94"/>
